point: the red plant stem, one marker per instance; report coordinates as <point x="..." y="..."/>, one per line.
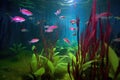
<point x="78" y="33"/>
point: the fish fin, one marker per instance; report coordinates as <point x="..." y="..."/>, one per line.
<point x="29" y="43"/>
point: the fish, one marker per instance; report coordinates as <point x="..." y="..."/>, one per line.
<point x="34" y="40"/>
<point x="73" y="21"/>
<point x="116" y="40"/>
<point x="26" y="12"/>
<point x="18" y="19"/>
<point x="46" y="26"/>
<point x="72" y="28"/>
<point x="52" y="27"/>
<point x="117" y="17"/>
<point x="57" y="12"/>
<point x="49" y="30"/>
<point x="66" y="40"/>
<point x="24" y="30"/>
<point x="103" y="15"/>
<point x="61" y="17"/>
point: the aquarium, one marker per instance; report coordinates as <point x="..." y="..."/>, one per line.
<point x="59" y="40"/>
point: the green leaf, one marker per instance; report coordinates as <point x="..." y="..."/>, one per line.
<point x="87" y="64"/>
<point x="62" y="59"/>
<point x="33" y="47"/>
<point x="56" y="59"/>
<point x="23" y="48"/>
<point x="34" y="64"/>
<point x="72" y="57"/>
<point x="13" y="49"/>
<point x="19" y="45"/>
<point x="54" y="49"/>
<point x="113" y="59"/>
<point x="56" y="53"/>
<point x="50" y="66"/>
<point x="40" y="71"/>
<point x="60" y="71"/>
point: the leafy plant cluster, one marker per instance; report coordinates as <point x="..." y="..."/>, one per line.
<point x="94" y="59"/>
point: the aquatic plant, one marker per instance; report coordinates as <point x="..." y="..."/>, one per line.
<point x="17" y="48"/>
<point x="114" y="64"/>
<point x="93" y="52"/>
<point x="27" y="4"/>
<point x="50" y="67"/>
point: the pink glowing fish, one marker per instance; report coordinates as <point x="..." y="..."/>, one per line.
<point x="34" y="40"/>
<point x="49" y="30"/>
<point x="18" y="19"/>
<point x="57" y="12"/>
<point x="66" y="40"/>
<point x="61" y="17"/>
<point x="73" y="21"/>
<point x="72" y="28"/>
<point x="52" y="27"/>
<point x="26" y="12"/>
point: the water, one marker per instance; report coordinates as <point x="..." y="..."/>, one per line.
<point x="44" y="40"/>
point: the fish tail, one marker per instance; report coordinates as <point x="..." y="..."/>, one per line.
<point x="29" y="42"/>
<point x="11" y="18"/>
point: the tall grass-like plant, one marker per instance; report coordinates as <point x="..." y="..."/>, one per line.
<point x="94" y="55"/>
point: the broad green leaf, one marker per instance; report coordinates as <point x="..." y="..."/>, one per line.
<point x="111" y="73"/>
<point x="56" y="53"/>
<point x="56" y="59"/>
<point x="33" y="47"/>
<point x="34" y="64"/>
<point x="72" y="57"/>
<point x="60" y="71"/>
<point x="113" y="59"/>
<point x="40" y="71"/>
<point x="54" y="49"/>
<point x="50" y="66"/>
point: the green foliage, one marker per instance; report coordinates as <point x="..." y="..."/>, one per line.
<point x="26" y="4"/>
<point x="87" y="64"/>
<point x="78" y="67"/>
<point x="40" y="71"/>
<point x="56" y="67"/>
<point x="34" y="63"/>
<point x="50" y="66"/>
<point x="113" y="59"/>
<point x="114" y="62"/>
<point x="17" y="48"/>
<point x="72" y="57"/>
